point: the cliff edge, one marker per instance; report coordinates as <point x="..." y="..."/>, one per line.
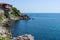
<point x="8" y="14"/>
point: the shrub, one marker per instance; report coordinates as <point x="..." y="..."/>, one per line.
<point x="15" y="11"/>
<point x="1" y="18"/>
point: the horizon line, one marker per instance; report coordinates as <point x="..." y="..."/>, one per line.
<point x="28" y="12"/>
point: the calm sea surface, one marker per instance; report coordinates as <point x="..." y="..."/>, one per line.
<point x="43" y="26"/>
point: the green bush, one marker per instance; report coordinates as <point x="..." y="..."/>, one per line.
<point x="1" y="18"/>
<point x="4" y="38"/>
<point x="15" y="11"/>
<point x="6" y="14"/>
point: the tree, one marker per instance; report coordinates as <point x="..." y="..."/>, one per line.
<point x="16" y="12"/>
<point x="6" y="14"/>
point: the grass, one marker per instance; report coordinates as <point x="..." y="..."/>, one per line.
<point x="1" y="18"/>
<point x="4" y="38"/>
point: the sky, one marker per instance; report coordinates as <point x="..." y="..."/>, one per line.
<point x="35" y="6"/>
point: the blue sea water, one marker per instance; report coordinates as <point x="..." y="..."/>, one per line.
<point x="43" y="26"/>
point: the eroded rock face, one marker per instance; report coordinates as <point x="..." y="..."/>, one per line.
<point x="24" y="17"/>
<point x="8" y="15"/>
<point x="24" y="37"/>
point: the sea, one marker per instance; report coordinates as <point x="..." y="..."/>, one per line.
<point x="43" y="26"/>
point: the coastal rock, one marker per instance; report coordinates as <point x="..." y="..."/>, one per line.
<point x="8" y="15"/>
<point x="24" y="17"/>
<point x="24" y="37"/>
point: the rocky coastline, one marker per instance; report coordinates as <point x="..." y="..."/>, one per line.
<point x="8" y="15"/>
<point x="24" y="37"/>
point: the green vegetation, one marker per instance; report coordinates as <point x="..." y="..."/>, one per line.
<point x="15" y="13"/>
<point x="4" y="38"/>
<point x="9" y="36"/>
<point x="6" y="14"/>
<point x="1" y="18"/>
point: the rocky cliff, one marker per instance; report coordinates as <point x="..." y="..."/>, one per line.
<point x="8" y="14"/>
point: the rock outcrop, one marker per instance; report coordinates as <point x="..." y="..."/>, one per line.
<point x="24" y="37"/>
<point x="24" y="17"/>
<point x="8" y="15"/>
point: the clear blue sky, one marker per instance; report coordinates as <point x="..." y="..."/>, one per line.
<point x="38" y="6"/>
